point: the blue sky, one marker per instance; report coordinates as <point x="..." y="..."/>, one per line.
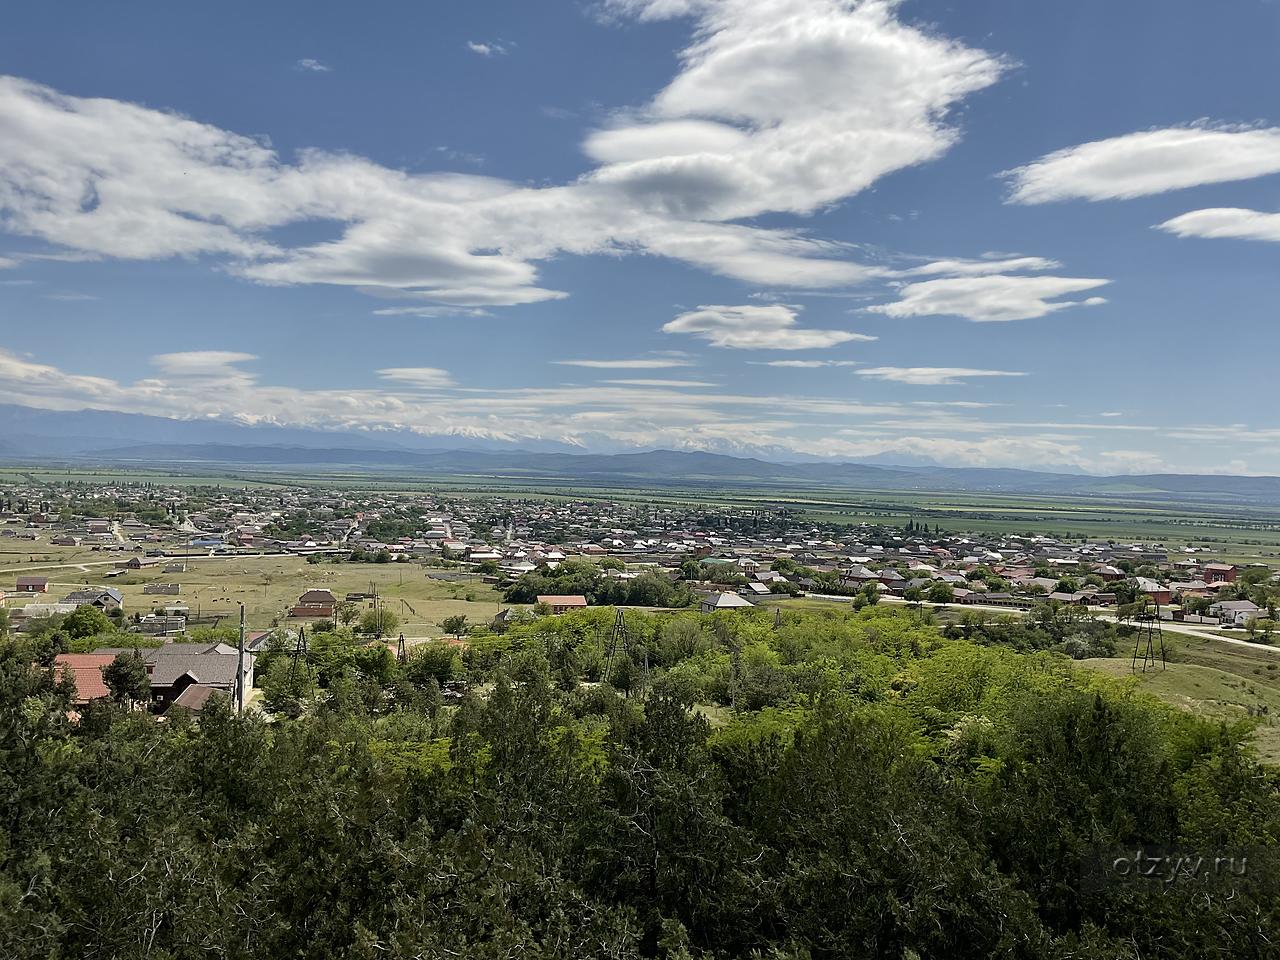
<point x="988" y="232"/>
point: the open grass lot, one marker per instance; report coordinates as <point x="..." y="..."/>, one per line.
<point x="1211" y="692"/>
<point x="268" y="586"/>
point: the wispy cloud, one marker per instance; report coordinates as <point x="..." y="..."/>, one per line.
<point x="932" y="376"/>
<point x="1148" y="162"/>
<point x="990" y="298"/>
<point x="663" y="383"/>
<point x="642" y="363"/>
<point x="490" y="48"/>
<point x="756" y="327"/>
<point x="426" y="377"/>
<point x="212" y="384"/>
<point x="311" y="65"/>
<point x="70" y="297"/>
<point x="804" y="364"/>
<point x="1226" y="223"/>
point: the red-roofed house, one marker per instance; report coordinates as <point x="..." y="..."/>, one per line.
<point x="559" y="604"/>
<point x="86" y="671"/>
<point x="1220" y="573"/>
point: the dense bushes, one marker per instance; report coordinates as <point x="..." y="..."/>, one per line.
<point x="899" y="794"/>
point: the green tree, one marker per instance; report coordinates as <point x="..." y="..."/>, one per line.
<point x="379" y="622"/>
<point x="455" y="625"/>
<point x="87" y="621"/>
<point x="346" y="612"/>
<point x="126" y="677"/>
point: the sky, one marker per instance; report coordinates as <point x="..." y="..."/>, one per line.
<point x="978" y="233"/>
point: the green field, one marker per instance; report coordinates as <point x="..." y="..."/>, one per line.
<point x="1219" y="694"/>
<point x="268" y="586"/>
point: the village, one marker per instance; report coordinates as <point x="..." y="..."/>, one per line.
<point x="729" y="556"/>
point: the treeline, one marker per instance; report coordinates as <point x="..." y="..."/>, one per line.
<point x="901" y="794"/>
<point x="582" y="577"/>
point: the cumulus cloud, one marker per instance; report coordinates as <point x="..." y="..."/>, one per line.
<point x="1226" y="222"/>
<point x="777" y="106"/>
<point x="786" y="105"/>
<point x="990" y="298"/>
<point x="932" y="376"/>
<point x="756" y="327"/>
<point x="1148" y="162"/>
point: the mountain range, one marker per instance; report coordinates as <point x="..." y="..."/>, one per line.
<point x="105" y="437"/>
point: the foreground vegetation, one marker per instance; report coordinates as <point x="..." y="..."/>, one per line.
<point x="875" y="789"/>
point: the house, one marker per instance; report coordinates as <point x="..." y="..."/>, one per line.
<point x="559" y="604"/>
<point x="170" y="589"/>
<point x="195" y="698"/>
<point x="139" y="563"/>
<point x="723" y="601"/>
<point x="1235" y="612"/>
<point x="1220" y="573"/>
<point x="173" y="667"/>
<point x="33" y="585"/>
<point x="104" y="599"/>
<point x="1158" y="592"/>
<point x="85" y="670"/>
<point x="171" y="674"/>
<point x="317" y="603"/>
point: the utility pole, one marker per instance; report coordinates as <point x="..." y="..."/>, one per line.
<point x="240" y="666"/>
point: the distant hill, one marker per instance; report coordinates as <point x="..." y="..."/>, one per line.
<point x="670" y="468"/>
<point x="31" y="432"/>
<point x="99" y="436"/>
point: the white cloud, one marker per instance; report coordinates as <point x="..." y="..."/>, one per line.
<point x="786" y="105"/>
<point x="756" y="327"/>
<point x="312" y="65"/>
<point x="777" y="105"/>
<point x="70" y="297"/>
<point x="490" y="48"/>
<point x="431" y="312"/>
<point x="804" y="364"/>
<point x="201" y="362"/>
<point x="1147" y="162"/>
<point x="989" y="298"/>
<point x="974" y="268"/>
<point x="427" y="377"/>
<point x="932" y="376"/>
<point x="1226" y="222"/>
<point x="655" y="363"/>
<point x="663" y="383"/>
<point x="209" y="384"/>
<point x="7" y="263"/>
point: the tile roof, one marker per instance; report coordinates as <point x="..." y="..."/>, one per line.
<point x="86" y="671"/>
